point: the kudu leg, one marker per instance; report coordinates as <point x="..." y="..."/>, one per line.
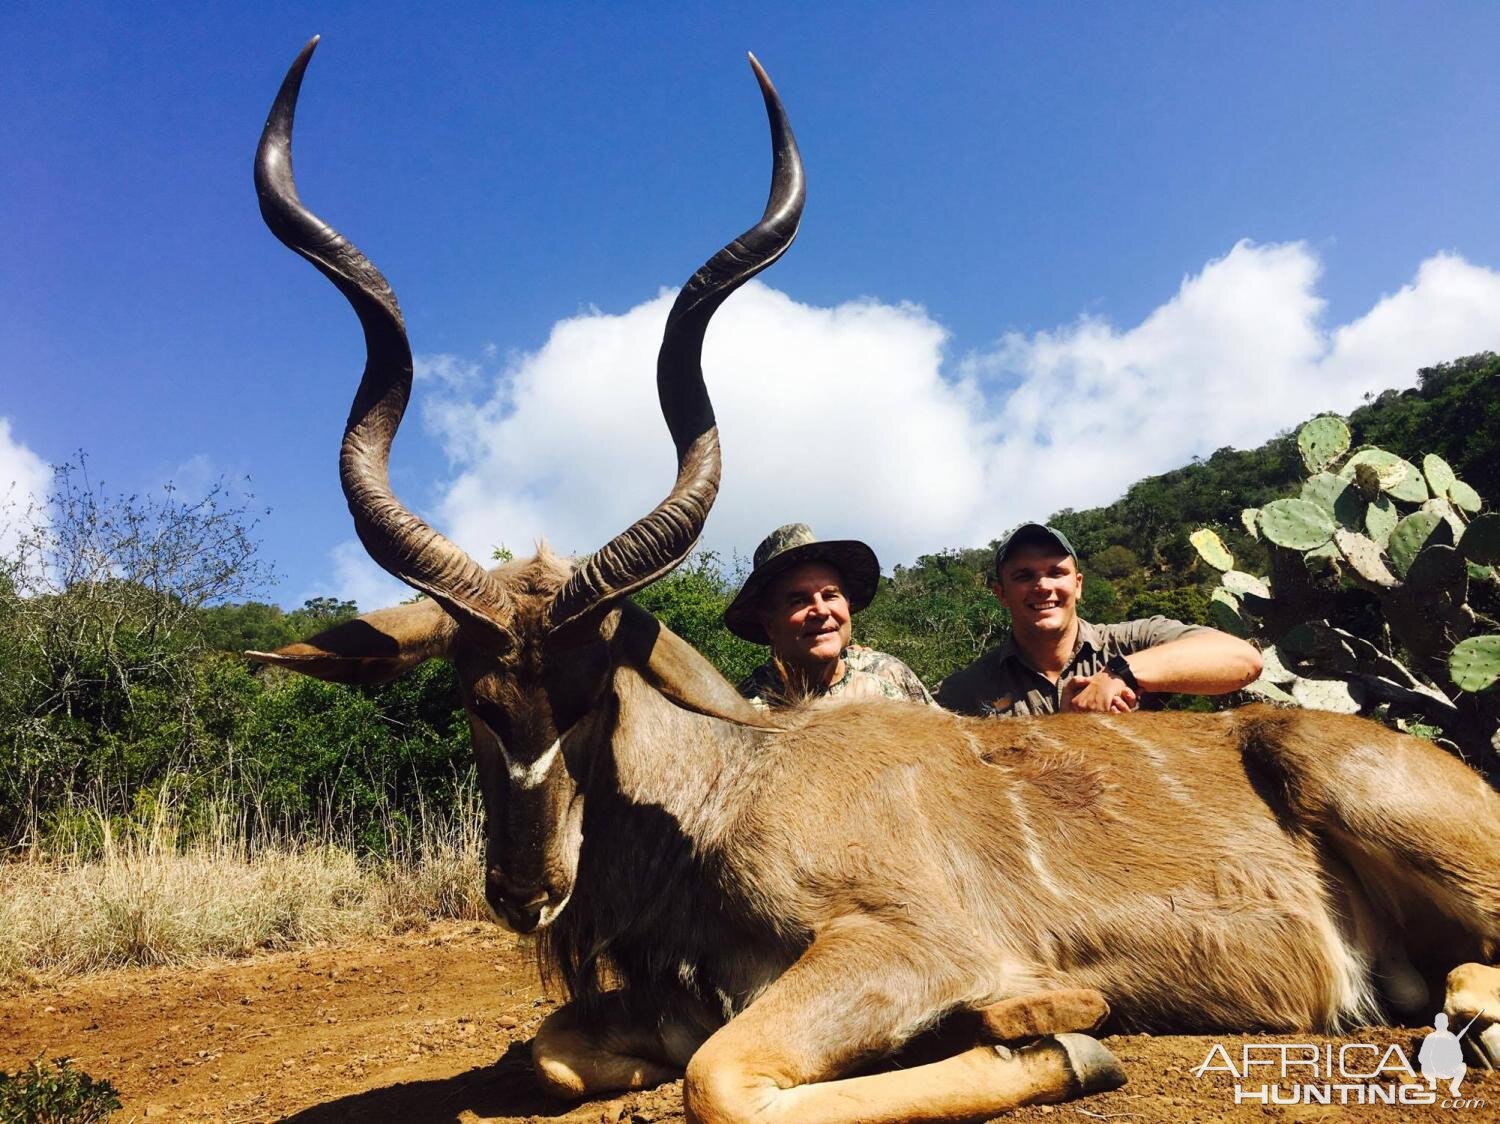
<point x="609" y="1054"/>
<point x="857" y="993"/>
<point x="1073" y="1010"/>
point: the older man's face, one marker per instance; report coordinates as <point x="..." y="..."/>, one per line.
<point x="806" y="615"/>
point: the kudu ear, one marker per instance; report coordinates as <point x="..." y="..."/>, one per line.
<point x="373" y="648"/>
<point x="675" y="668"/>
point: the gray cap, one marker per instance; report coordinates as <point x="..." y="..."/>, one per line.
<point x="784" y="548"/>
<point x="1028" y="533"/>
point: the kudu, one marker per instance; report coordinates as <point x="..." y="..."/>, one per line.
<point x="777" y="902"/>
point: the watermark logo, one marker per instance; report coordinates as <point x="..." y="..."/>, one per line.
<point x="1353" y="1073"/>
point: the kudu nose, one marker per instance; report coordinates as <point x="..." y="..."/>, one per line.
<point x="520" y="906"/>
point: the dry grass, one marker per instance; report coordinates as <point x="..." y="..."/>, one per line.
<point x="142" y="897"/>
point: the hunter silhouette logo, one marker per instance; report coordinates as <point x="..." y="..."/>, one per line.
<point x="1442" y="1054"/>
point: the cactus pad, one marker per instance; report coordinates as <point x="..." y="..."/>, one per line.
<point x="1322" y="441"/>
<point x="1412" y="534"/>
<point x="1272" y="669"/>
<point x="1464" y="497"/>
<point x="1381" y="518"/>
<point x="1337" y="496"/>
<point x="1439" y="476"/>
<point x="1439" y="568"/>
<point x="1400" y="479"/>
<point x="1211" y="549"/>
<point x="1325" y="694"/>
<point x="1249" y="517"/>
<point x="1364" y="558"/>
<point x="1296" y="524"/>
<point x="1266" y="691"/>
<point x="1240" y="583"/>
<point x="1224" y="611"/>
<point x="1475" y="663"/>
<point x="1443" y="508"/>
<point x="1481" y="541"/>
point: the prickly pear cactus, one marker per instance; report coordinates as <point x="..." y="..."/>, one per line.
<point x="1365" y="558"/>
<point x="1481" y="540"/>
<point x="1412" y="534"/>
<point x="1241" y="583"/>
<point x="1439" y="476"/>
<point x="1446" y="511"/>
<point x="1337" y="496"/>
<point x="1296" y="524"/>
<point x="1224" y="611"/>
<point x="1211" y="549"/>
<point x="1400" y="479"/>
<point x="1475" y="663"/>
<point x="1439" y="569"/>
<point x="1381" y="518"/>
<point x="1370" y="524"/>
<point x="1464" y="498"/>
<point x="1322" y="441"/>
<point x="1326" y="694"/>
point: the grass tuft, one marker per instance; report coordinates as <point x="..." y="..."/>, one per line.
<point x="138" y="895"/>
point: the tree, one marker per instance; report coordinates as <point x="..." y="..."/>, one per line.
<point x="100" y="603"/>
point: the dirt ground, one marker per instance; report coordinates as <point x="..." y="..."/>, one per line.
<point x="434" y="1027"/>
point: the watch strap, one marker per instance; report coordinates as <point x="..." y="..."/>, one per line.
<point x="1120" y="669"/>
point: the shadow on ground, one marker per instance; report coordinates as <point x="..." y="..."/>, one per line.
<point x="505" y="1089"/>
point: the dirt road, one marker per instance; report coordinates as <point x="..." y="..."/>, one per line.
<point x="433" y="1027"/>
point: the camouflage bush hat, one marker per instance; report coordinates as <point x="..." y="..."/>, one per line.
<point x="784" y="548"/>
<point x="1026" y="534"/>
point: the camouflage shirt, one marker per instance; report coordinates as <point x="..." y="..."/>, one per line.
<point x="1001" y="682"/>
<point x="867" y="674"/>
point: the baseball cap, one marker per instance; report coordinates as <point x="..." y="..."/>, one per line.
<point x="1031" y="533"/>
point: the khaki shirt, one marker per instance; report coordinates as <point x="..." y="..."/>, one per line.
<point x="1001" y="682"/>
<point x="867" y="674"/>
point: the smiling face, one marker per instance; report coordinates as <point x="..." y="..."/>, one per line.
<point x="806" y="615"/>
<point x="1040" y="584"/>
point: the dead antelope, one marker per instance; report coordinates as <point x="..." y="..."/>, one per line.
<point x="774" y="903"/>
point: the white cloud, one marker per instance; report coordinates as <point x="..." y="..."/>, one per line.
<point x="849" y="418"/>
<point x="24" y="479"/>
<point x="356" y="578"/>
<point x="1236" y="355"/>
<point x="837" y="417"/>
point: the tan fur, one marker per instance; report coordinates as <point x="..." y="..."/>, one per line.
<point x="841" y="879"/>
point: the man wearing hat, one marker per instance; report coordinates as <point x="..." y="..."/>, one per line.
<point x="798" y="599"/>
<point x="1054" y="661"/>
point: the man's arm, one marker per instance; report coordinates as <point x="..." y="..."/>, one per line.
<point x="1204" y="662"/>
<point x="1209" y="662"/>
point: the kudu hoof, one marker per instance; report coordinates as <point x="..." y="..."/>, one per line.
<point x="1093" y="1066"/>
<point x="1473" y="1009"/>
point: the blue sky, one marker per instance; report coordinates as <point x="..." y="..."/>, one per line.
<point x="1142" y="231"/>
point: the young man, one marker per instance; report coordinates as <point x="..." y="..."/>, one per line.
<point x="798" y="600"/>
<point x="1054" y="661"/>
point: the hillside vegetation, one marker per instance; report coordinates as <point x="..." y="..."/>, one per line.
<point x="127" y="712"/>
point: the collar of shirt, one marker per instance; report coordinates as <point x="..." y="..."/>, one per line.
<point x="1088" y="637"/>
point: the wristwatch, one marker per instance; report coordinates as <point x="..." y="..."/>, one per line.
<point x="1121" y="671"/>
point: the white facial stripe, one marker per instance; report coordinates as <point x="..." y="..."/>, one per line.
<point x="549" y="912"/>
<point x="529" y="776"/>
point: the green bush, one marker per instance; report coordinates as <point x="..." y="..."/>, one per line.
<point x="55" y="1092"/>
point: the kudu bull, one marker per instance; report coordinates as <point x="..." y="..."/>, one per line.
<point x="774" y="903"/>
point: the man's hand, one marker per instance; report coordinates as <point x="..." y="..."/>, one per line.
<point x="1100" y="692"/>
